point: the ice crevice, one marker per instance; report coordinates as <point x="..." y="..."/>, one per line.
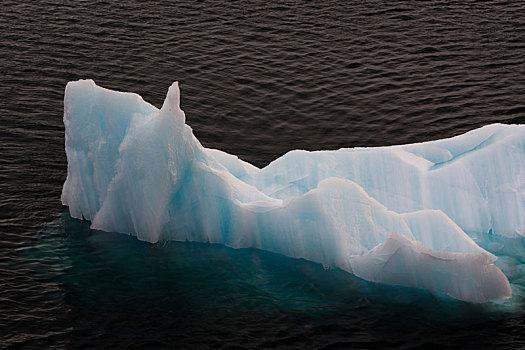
<point x="386" y="214"/>
<point x="456" y="157"/>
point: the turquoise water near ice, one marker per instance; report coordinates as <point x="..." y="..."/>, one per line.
<point x="114" y="290"/>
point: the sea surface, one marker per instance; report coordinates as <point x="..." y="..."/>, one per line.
<point x="257" y="79"/>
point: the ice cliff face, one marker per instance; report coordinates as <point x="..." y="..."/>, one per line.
<point x="400" y="214"/>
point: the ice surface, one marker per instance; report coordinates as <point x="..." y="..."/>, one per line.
<point x="401" y="214"/>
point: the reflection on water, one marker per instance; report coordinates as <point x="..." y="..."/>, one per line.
<point x="113" y="288"/>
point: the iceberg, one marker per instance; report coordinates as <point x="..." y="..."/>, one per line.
<point x="403" y="215"/>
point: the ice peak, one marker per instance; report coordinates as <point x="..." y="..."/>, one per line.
<point x="171" y="105"/>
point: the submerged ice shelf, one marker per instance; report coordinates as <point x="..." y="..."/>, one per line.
<point x="399" y="214"/>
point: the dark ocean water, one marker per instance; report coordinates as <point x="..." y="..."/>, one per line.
<point x="257" y="79"/>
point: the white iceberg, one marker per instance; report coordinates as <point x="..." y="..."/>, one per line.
<point x="401" y="214"/>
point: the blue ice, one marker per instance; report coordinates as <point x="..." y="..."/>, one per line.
<point x="404" y="215"/>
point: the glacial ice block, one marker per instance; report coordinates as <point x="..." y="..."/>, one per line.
<point x="399" y="214"/>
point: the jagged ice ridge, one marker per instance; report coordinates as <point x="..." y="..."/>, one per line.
<point x="401" y="215"/>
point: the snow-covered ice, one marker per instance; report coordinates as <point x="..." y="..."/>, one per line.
<point x="399" y="214"/>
